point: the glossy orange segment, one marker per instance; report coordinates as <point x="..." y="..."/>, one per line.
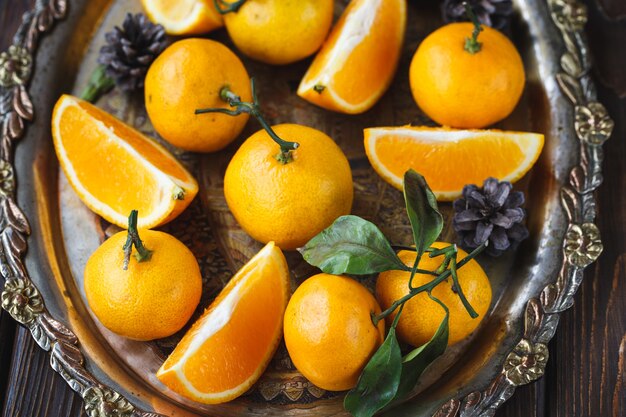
<point x="115" y="168"/>
<point x="229" y="347"/>
<point x="358" y="61"/>
<point x="449" y="159"/>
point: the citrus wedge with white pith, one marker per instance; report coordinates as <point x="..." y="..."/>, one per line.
<point x="359" y="59"/>
<point x="449" y="158"/>
<point x="115" y="169"/>
<point x="229" y="347"/>
<point x="184" y="17"/>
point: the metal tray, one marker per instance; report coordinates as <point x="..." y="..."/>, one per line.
<point x="46" y="234"/>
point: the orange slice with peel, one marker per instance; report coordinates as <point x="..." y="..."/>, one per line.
<point x="358" y="60"/>
<point x="449" y="158"/>
<point x="114" y="168"/>
<point x="229" y="347"/>
<point x="184" y="17"/>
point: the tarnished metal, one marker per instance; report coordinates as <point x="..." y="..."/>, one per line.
<point x="110" y="389"/>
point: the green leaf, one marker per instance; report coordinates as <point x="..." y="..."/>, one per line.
<point x="421" y="207"/>
<point x="351" y="245"/>
<point x="415" y="362"/>
<point x="379" y="380"/>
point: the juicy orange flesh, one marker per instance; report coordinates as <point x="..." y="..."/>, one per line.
<point x="140" y="143"/>
<point x="240" y="348"/>
<point x="451" y="165"/>
<point x="358" y="86"/>
<point x="95" y="173"/>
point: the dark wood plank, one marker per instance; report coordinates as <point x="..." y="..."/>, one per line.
<point x="587" y="367"/>
<point x="7" y="334"/>
<point x="34" y="389"/>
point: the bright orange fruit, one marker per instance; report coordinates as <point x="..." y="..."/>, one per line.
<point x="448" y="158"/>
<point x="229" y="347"/>
<point x="421" y="316"/>
<point x="461" y="89"/>
<point x="184" y="17"/>
<point x="114" y="168"/>
<point x="359" y="59"/>
<point x="329" y="331"/>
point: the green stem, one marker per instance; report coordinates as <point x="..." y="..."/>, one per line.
<point x="143" y="254"/>
<point x="99" y="83"/>
<point x="228" y="7"/>
<point x="471" y="44"/>
<point x="254" y="110"/>
<point x="429" y="286"/>
<point x="455" y="279"/>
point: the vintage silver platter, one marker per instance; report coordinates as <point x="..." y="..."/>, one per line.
<point x="46" y="234"/>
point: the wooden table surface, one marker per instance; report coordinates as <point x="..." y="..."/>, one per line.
<point x="586" y="374"/>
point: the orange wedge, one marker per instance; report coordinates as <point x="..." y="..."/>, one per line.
<point x="114" y="168"/>
<point x="229" y="347"/>
<point x="358" y="60"/>
<point x="184" y="17"/>
<point x="448" y="158"/>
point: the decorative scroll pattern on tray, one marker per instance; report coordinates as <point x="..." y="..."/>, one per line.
<point x="525" y="363"/>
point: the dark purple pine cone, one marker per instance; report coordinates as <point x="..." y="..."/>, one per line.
<point x="131" y="49"/>
<point x="493" y="213"/>
<point x="493" y="13"/>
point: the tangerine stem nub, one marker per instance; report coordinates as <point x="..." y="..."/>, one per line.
<point x="143" y="254"/>
<point x="99" y="83"/>
<point x="253" y="109"/>
<point x="224" y="7"/>
<point x="471" y="44"/>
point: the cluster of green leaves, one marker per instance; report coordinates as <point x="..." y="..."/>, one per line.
<point x="352" y="245"/>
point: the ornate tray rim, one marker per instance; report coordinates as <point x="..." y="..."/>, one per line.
<point x="526" y="362"/>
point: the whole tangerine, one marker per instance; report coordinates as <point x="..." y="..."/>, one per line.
<point x="329" y="331"/>
<point x="188" y="75"/>
<point x="464" y="87"/>
<point x="277" y="31"/>
<point x="421" y="315"/>
<point x="288" y="200"/>
<point x="144" y="297"/>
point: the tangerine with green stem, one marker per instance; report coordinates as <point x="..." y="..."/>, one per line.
<point x="465" y="75"/>
<point x="147" y="296"/>
<point x="465" y="291"/>
<point x="188" y="75"/>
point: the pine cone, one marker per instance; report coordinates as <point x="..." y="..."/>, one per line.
<point x="493" y="13"/>
<point x="131" y="49"/>
<point x="492" y="214"/>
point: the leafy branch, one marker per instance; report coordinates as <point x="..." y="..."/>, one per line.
<point x="352" y="245"/>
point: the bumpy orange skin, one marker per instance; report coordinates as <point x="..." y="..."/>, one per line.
<point x="288" y="203"/>
<point x="329" y="331"/>
<point x="151" y="299"/>
<point x="458" y="89"/>
<point x="189" y="75"/>
<point x="421" y="315"/>
<point x="280" y="32"/>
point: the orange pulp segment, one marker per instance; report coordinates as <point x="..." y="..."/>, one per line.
<point x="184" y="17"/>
<point x="448" y="158"/>
<point x="114" y="168"/>
<point x="229" y="347"/>
<point x="358" y="60"/>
